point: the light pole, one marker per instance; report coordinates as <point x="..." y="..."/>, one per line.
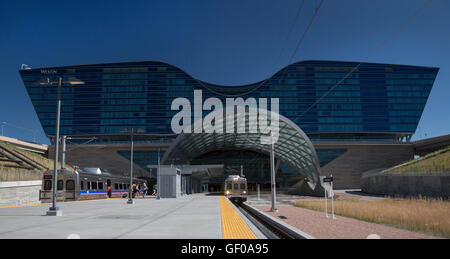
<point x="272" y="178"/>
<point x="130" y="190"/>
<point x="158" y="182"/>
<point x="130" y="198"/>
<point x="63" y="160"/>
<point x="53" y="210"/>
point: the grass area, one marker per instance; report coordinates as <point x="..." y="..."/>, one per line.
<point x="48" y="163"/>
<point x="424" y="215"/>
<point x="437" y="162"/>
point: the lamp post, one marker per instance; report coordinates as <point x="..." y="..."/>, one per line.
<point x="272" y="178"/>
<point x="63" y="160"/>
<point x="131" y="131"/>
<point x="53" y="210"/>
<point x="130" y="197"/>
<point x="158" y="180"/>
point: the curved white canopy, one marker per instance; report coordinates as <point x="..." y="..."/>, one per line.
<point x="293" y="146"/>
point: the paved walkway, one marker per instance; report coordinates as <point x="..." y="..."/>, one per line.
<point x="315" y="224"/>
<point x="192" y="217"/>
<point x="265" y="198"/>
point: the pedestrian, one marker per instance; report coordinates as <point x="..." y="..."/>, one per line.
<point x="154" y="190"/>
<point x="145" y="189"/>
<point x="134" y="190"/>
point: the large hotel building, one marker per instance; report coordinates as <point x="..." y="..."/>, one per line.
<point x="340" y="118"/>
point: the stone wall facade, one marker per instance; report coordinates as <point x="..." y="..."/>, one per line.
<point x="408" y="185"/>
<point x="18" y="175"/>
<point x="360" y="158"/>
<point x="19" y="193"/>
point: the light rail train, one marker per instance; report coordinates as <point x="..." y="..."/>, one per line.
<point x="88" y="184"/>
<point x="236" y="188"/>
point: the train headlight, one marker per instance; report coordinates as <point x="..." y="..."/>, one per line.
<point x="228" y="192"/>
<point x="244" y="192"/>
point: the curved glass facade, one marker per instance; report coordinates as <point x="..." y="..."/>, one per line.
<point x="377" y="101"/>
<point x="292" y="148"/>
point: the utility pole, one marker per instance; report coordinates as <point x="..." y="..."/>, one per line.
<point x="55" y="211"/>
<point x="272" y="178"/>
<point x="158" y="176"/>
<point x="63" y="158"/>
<point x="130" y="198"/>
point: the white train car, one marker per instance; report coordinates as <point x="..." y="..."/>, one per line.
<point x="236" y="188"/>
<point x="89" y="184"/>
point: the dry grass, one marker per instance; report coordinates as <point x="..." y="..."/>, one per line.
<point x="419" y="214"/>
<point x="48" y="163"/>
<point x="437" y="162"/>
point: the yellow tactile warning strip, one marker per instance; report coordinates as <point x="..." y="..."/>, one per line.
<point x="233" y="226"/>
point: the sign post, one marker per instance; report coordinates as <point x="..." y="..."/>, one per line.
<point x="257" y="188"/>
<point x="330" y="181"/>
<point x="332" y="199"/>
<point x="326" y="205"/>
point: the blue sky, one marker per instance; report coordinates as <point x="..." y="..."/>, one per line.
<point x="231" y="42"/>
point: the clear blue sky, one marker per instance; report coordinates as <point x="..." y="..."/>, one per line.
<point x="228" y="42"/>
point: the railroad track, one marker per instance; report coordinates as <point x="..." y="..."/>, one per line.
<point x="270" y="227"/>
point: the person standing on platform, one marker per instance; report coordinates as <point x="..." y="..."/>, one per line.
<point x="154" y="189"/>
<point x="144" y="190"/>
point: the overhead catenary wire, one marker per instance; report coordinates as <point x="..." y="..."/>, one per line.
<point x="376" y="49"/>
<point x="5" y="123"/>
<point x="284" y="44"/>
<point x="288" y="36"/>
<point x="299" y="44"/>
<point x="389" y="37"/>
<point x="283" y="71"/>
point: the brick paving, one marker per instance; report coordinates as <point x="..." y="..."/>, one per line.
<point x="315" y="224"/>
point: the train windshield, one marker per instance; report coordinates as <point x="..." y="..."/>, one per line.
<point x="47" y="185"/>
<point x="70" y="185"/>
<point x="60" y="185"/>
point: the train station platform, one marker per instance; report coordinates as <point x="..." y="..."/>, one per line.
<point x="189" y="217"/>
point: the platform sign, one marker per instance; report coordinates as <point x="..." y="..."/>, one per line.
<point x="329" y="193"/>
<point x="328" y="179"/>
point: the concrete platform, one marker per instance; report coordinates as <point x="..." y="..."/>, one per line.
<point x="191" y="217"/>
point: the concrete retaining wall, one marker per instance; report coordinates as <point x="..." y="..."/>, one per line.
<point x="348" y="168"/>
<point x="19" y="193"/>
<point x="17" y="175"/>
<point x="428" y="185"/>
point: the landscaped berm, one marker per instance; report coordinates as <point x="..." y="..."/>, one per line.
<point x="424" y="184"/>
<point x="21" y="175"/>
<point x="21" y="165"/>
<point x="424" y="215"/>
<point x="437" y="162"/>
<point x="428" y="176"/>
